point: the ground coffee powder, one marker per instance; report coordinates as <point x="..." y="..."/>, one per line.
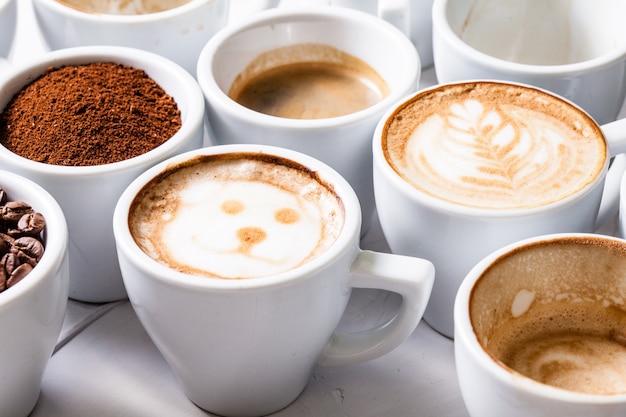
<point x="89" y="114"/>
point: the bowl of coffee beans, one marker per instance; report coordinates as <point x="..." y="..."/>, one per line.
<point x="34" y="281"/>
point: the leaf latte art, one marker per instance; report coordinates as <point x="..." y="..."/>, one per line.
<point x="494" y="145"/>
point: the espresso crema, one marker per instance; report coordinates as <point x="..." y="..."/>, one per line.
<point x="308" y="81"/>
<point x="236" y="216"/>
<point x="493" y="145"/>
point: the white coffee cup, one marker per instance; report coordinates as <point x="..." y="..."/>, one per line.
<point x="413" y="17"/>
<point x="88" y="194"/>
<point x="343" y="142"/>
<point x="32" y="311"/>
<point x="576" y="49"/>
<point x="246" y="346"/>
<point x="177" y="34"/>
<point x="454" y="236"/>
<point x="8" y="21"/>
<point x="519" y="288"/>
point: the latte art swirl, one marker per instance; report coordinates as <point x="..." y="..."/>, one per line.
<point x="494" y="146"/>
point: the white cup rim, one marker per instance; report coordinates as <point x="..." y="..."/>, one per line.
<point x="56" y="233"/>
<point x="150" y="267"/>
<point x="192" y="121"/>
<point x="305" y="14"/>
<point x="439" y="16"/>
<point x="465" y="335"/>
<point x="439" y="204"/>
<point x="121" y="18"/>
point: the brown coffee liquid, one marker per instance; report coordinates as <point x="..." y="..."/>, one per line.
<point x="579" y="348"/>
<point x="554" y="311"/>
<point x="311" y="89"/>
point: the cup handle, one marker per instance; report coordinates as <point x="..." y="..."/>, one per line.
<point x="609" y="204"/>
<point x="396" y="12"/>
<point x="410" y="277"/>
<point x="615" y="135"/>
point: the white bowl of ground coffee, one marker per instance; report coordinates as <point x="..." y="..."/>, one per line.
<point x="83" y="123"/>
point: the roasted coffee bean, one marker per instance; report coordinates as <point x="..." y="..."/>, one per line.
<point x="3" y="279"/>
<point x="13" y="211"/>
<point x="5" y="246"/>
<point x="29" y="246"/>
<point x="18" y="274"/>
<point x="3" y="197"/>
<point x="9" y="262"/>
<point x="30" y="224"/>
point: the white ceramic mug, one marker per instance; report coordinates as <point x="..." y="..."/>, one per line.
<point x="455" y="236"/>
<point x="413" y="17"/>
<point x="343" y="142"/>
<point x="576" y="49"/>
<point x="518" y="288"/>
<point x="247" y="346"/>
<point x="177" y="34"/>
<point x="32" y="311"/>
<point x="88" y="194"/>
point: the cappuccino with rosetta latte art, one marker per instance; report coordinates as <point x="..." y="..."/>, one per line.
<point x="236" y="216"/>
<point x="494" y="145"/>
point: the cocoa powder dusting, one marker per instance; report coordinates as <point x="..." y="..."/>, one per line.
<point x="89" y="114"/>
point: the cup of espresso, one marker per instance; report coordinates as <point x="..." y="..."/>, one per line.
<point x="321" y="79"/>
<point x="462" y="169"/>
<point x="255" y="249"/>
<point x="540" y="329"/>
<point x="576" y="49"/>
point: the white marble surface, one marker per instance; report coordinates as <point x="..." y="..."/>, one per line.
<point x="105" y="365"/>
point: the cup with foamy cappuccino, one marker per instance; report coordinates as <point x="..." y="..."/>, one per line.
<point x="540" y="329"/>
<point x="239" y="261"/>
<point x="175" y="29"/>
<point x="312" y="79"/>
<point x="463" y="169"/>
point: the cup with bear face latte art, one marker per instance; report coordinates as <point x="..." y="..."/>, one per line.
<point x="229" y="252"/>
<point x="462" y="169"/>
<point x="540" y="329"/>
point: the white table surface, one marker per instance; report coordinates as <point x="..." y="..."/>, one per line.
<point x="105" y="364"/>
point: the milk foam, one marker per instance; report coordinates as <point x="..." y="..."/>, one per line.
<point x="492" y="146"/>
<point x="241" y="218"/>
<point x="125" y="7"/>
